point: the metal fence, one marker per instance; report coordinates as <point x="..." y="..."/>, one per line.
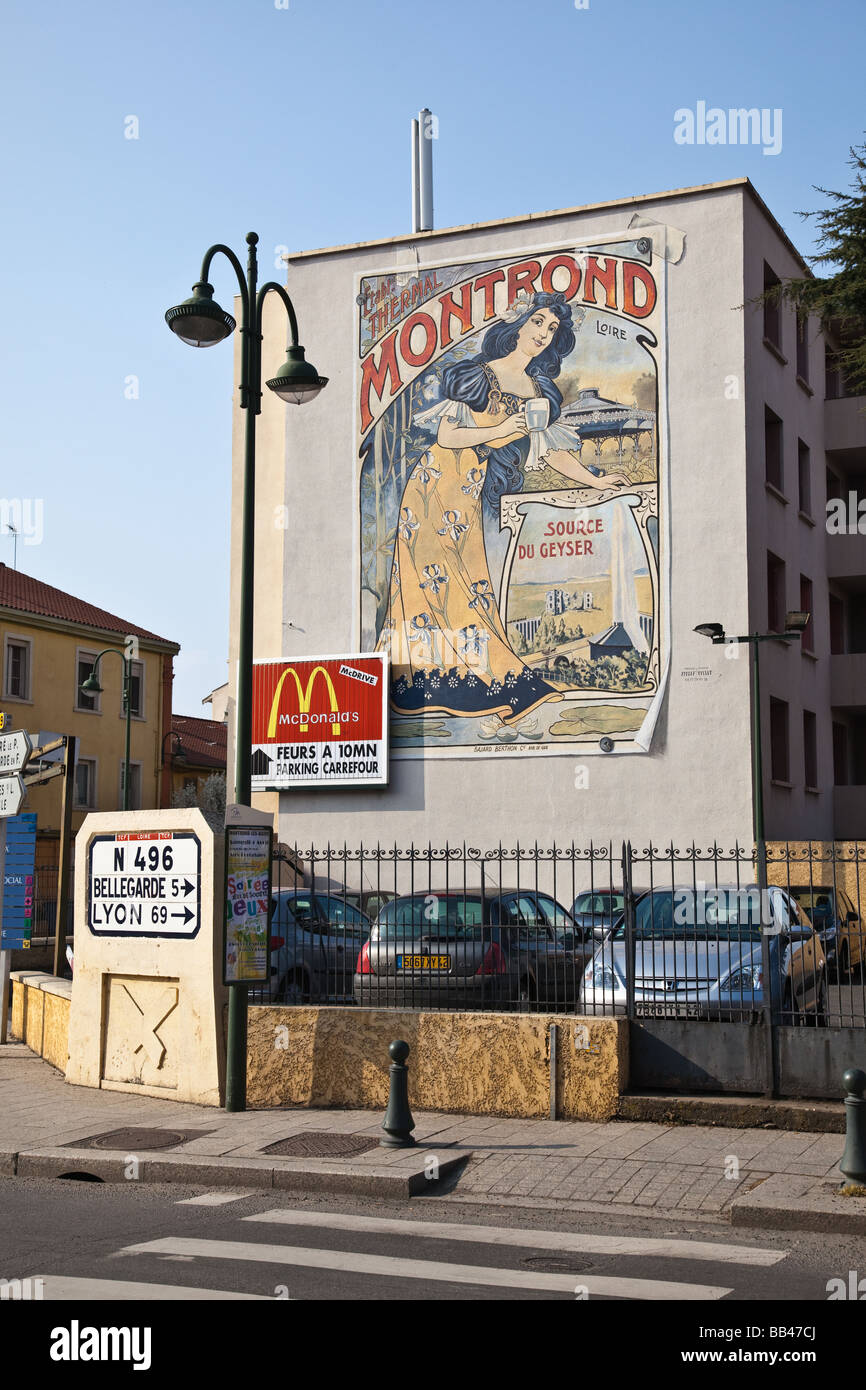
<point x="45" y="905"/>
<point x="646" y="932"/>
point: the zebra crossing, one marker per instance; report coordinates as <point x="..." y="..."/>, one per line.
<point x="344" y="1245"/>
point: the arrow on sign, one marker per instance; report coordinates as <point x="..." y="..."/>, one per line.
<point x="187" y="886"/>
<point x="185" y="914"/>
<point x="15" y="749"/>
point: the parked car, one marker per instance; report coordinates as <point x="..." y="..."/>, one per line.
<point x="452" y="949"/>
<point x="837" y="922"/>
<point x="698" y="954"/>
<point x="599" y="911"/>
<point x="369" y="900"/>
<point x="315" y="940"/>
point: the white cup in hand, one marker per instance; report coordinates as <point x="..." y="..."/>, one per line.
<point x="537" y="414"/>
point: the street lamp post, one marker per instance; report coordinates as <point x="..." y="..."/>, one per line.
<point x="92" y="687"/>
<point x="795" y="626"/>
<point x="176" y="756"/>
<point x="201" y="322"/>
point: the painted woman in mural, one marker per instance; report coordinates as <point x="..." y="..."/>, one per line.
<point x="449" y="648"/>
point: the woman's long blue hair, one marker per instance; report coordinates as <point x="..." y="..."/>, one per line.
<point x="466" y="381"/>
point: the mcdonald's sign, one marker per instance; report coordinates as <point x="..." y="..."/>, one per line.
<point x="320" y="721"/>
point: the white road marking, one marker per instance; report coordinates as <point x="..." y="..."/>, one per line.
<point x="387" y="1267"/>
<point x="211" y="1199"/>
<point x="563" y="1241"/>
<point x="60" y="1287"/>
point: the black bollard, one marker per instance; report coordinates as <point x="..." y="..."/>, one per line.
<point x="853" y="1161"/>
<point x="398" y="1123"/>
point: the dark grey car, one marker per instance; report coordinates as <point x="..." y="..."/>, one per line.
<point x="450" y="949"/>
<point x="598" y="910"/>
<point x="315" y="940"/>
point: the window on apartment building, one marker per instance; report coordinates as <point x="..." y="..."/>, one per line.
<point x="83" y="670"/>
<point x="775" y="593"/>
<point x="773" y="466"/>
<point x="134" y="785"/>
<point x="136" y="690"/>
<point x="772" y="311"/>
<point x="779" y="759"/>
<point x="857" y="745"/>
<point x="803" y="347"/>
<point x="835" y="385"/>
<point x="17" y="668"/>
<point x="837" y="626"/>
<point x="804" y="477"/>
<point x="840" y="755"/>
<point x="85" y="783"/>
<point x="834" y="485"/>
<point x="807" y="641"/>
<point x="810" y="748"/>
<point x="856" y="624"/>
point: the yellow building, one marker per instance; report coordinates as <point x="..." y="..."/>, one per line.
<point x="48" y="643"/>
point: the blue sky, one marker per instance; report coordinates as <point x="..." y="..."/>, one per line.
<point x="293" y="122"/>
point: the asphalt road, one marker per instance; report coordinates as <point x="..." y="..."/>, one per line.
<point x="100" y="1241"/>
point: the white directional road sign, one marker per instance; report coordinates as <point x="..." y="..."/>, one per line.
<point x="145" y="883"/>
<point x="14" y="751"/>
<point x="12" y="793"/>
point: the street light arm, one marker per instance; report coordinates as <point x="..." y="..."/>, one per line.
<point x="271" y="285"/>
<point x="239" y="272"/>
<point x="120" y="651"/>
<point x="127" y="705"/>
<point x="762" y="637"/>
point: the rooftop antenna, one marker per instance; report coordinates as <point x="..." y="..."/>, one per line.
<point x="10" y="527"/>
<point x="423" y="133"/>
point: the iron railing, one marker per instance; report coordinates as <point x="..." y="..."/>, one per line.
<point x="646" y="932"/>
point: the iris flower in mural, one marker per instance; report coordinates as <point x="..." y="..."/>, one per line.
<point x="408" y="526"/>
<point x="435" y="578"/>
<point x="482" y="595"/>
<point x="483" y="449"/>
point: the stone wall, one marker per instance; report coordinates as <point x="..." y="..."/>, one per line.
<point x="471" y="1063"/>
<point x="40" y="1014"/>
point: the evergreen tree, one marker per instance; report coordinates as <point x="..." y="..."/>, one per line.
<point x="840" y="297"/>
<point x="211" y="802"/>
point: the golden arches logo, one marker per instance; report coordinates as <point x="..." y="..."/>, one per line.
<point x="304" y="700"/>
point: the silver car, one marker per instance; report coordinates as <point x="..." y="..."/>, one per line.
<point x="698" y="954"/>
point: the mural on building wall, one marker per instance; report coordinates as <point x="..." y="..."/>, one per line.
<point x="512" y="498"/>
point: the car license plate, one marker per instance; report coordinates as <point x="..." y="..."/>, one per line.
<point x="667" y="1010"/>
<point x="423" y="962"/>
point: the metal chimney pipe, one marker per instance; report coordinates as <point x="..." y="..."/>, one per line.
<point x="425" y="171"/>
<point x="416" y="174"/>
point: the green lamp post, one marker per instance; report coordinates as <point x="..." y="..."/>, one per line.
<point x="795" y="625"/>
<point x="201" y="322"/>
<point x="92" y="687"/>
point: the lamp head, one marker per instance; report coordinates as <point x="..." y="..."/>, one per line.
<point x="297" y="381"/>
<point x="796" y="621"/>
<point x="712" y="630"/>
<point x="91" y="686"/>
<point x="199" y="320"/>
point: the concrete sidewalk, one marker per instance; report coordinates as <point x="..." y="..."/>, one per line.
<point x="748" y="1177"/>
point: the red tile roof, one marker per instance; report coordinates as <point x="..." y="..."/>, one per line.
<point x="204" y="740"/>
<point x="27" y="595"/>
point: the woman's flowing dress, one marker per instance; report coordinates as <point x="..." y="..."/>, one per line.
<point x="449" y="649"/>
